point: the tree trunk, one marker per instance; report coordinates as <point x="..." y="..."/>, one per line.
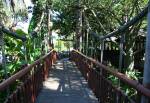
<point x="49" y="36"/>
<point x="83" y="41"/>
<point x="129" y="57"/>
<point x="129" y="46"/>
<point x="87" y="41"/>
<point x="129" y="60"/>
<point x="79" y="27"/>
<point x="86" y="26"/>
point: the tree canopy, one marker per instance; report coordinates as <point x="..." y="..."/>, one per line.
<point x="69" y="18"/>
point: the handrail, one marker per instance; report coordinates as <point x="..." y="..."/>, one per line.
<point x="139" y="87"/>
<point x="125" y="26"/>
<point x="21" y="73"/>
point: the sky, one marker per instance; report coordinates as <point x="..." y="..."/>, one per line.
<point x="25" y="24"/>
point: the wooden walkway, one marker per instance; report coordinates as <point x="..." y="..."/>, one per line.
<point x="65" y="85"/>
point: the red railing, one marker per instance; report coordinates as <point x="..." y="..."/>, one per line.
<point x="27" y="83"/>
<point x="105" y="90"/>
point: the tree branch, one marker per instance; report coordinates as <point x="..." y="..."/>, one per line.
<point x="125" y="26"/>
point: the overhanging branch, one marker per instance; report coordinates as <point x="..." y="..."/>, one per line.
<point x="125" y="26"/>
<point x="13" y="34"/>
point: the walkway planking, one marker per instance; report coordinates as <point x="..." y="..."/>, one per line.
<point x="65" y="85"/>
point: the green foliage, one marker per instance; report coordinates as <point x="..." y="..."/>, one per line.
<point x="133" y="74"/>
<point x="39" y="7"/>
<point x="113" y="79"/>
<point x="21" y="32"/>
<point x="15" y="49"/>
<point x="35" y="55"/>
<point x="103" y="16"/>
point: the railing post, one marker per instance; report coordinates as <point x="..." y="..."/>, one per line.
<point x="45" y="69"/>
<point x="146" y="79"/>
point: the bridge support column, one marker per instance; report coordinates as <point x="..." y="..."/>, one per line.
<point x="146" y="79"/>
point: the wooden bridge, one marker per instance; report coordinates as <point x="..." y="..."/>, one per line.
<point x="51" y="81"/>
<point x="79" y="79"/>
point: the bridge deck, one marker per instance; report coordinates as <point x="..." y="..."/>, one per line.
<point x="65" y="85"/>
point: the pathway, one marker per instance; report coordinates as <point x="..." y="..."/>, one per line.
<point x="65" y="85"/>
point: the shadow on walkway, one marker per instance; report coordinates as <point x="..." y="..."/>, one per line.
<point x="65" y="85"/>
